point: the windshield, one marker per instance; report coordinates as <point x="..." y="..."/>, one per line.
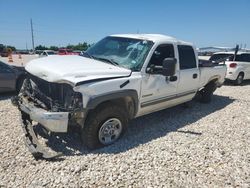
<point x="126" y="52"/>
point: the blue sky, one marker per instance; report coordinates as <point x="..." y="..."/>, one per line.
<point x="62" y="22"/>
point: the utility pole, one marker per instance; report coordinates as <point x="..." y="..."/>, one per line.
<point x="32" y="35"/>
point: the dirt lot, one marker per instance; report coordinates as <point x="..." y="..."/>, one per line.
<point x="204" y="145"/>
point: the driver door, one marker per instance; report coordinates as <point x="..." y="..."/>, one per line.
<point x="157" y="90"/>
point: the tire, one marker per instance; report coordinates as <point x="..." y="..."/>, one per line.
<point x="108" y="117"/>
<point x="239" y="79"/>
<point x="207" y="92"/>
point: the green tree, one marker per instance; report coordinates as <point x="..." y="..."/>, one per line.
<point x="40" y="47"/>
<point x="55" y="48"/>
<point x="80" y="46"/>
<point x="70" y="46"/>
<point x="12" y="48"/>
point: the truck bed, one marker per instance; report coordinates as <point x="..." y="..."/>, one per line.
<point x="208" y="73"/>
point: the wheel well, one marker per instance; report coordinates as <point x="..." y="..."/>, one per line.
<point x="242" y="73"/>
<point x="212" y="81"/>
<point x="126" y="102"/>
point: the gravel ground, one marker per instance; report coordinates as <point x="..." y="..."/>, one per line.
<point x="19" y="62"/>
<point x="203" y="145"/>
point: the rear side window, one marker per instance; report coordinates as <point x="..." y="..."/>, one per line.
<point x="243" y="57"/>
<point x="217" y="57"/>
<point x="186" y="57"/>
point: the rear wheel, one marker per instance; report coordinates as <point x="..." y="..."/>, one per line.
<point x="207" y="92"/>
<point x="104" y="126"/>
<point x="239" y="79"/>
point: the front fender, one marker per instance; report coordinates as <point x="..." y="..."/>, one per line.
<point x="96" y="100"/>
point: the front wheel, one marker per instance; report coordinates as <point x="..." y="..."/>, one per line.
<point x="104" y="126"/>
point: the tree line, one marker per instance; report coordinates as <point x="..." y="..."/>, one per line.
<point x="7" y="48"/>
<point x="80" y="46"/>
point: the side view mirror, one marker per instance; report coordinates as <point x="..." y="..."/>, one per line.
<point x="169" y="66"/>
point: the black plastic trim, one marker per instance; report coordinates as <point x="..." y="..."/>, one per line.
<point x="96" y="100"/>
<point x="101" y="79"/>
<point x="124" y="84"/>
<point x="164" y="99"/>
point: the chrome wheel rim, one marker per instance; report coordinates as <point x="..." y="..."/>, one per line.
<point x="110" y="131"/>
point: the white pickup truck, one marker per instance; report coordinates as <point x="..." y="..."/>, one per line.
<point x="120" y="78"/>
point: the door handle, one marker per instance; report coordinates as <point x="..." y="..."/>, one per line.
<point x="195" y="76"/>
<point x="173" y="78"/>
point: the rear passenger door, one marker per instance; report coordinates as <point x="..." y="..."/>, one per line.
<point x="188" y="71"/>
<point x="243" y="61"/>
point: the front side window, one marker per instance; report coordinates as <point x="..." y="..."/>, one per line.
<point x="162" y="52"/>
<point x="125" y="52"/>
<point x="187" y="58"/>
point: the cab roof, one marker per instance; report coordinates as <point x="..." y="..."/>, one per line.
<point x="152" y="37"/>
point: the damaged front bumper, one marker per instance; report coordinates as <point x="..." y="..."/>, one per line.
<point x="55" y="106"/>
<point x="51" y="121"/>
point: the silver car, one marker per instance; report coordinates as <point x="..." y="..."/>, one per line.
<point x="11" y="77"/>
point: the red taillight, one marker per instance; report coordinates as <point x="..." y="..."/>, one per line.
<point x="233" y="65"/>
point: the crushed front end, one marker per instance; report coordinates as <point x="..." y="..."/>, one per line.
<point x="53" y="105"/>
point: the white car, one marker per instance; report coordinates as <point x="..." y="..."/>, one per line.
<point x="46" y="53"/>
<point x="120" y="78"/>
<point x="238" y="69"/>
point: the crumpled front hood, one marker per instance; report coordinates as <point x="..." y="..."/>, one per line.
<point x="73" y="69"/>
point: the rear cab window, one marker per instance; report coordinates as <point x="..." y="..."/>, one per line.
<point x="187" y="58"/>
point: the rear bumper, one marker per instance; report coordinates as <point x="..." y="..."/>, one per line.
<point x="52" y="121"/>
<point x="231" y="76"/>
